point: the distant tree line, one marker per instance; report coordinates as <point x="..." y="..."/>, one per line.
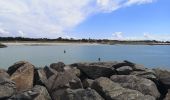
<point x="82" y="40"/>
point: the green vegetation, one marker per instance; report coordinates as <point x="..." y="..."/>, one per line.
<point x="72" y="40"/>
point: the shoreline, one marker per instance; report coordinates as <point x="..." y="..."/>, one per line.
<point x="35" y="43"/>
<point x="45" y="43"/>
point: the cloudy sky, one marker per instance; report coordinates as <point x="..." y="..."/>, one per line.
<point x="109" y="19"/>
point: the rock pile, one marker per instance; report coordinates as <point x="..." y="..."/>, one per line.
<point x="84" y="81"/>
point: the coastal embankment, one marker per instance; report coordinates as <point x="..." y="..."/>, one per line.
<point x="115" y="80"/>
<point x="2" y="45"/>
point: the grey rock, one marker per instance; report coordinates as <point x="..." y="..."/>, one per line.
<point x="140" y="84"/>
<point x="37" y="93"/>
<point x="148" y="73"/>
<point x="87" y="83"/>
<point x="57" y="82"/>
<point x="110" y="90"/>
<point x="3" y="73"/>
<point x="135" y="67"/>
<point x="124" y="70"/>
<point x="81" y="94"/>
<point x="7" y="88"/>
<point x="58" y="66"/>
<point x="96" y="70"/>
<point x="163" y="76"/>
<point x="167" y="95"/>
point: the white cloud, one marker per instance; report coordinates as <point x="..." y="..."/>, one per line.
<point x="130" y="2"/>
<point x="144" y="36"/>
<point x="52" y="18"/>
<point x="160" y="37"/>
<point x="4" y="32"/>
<point x="117" y="35"/>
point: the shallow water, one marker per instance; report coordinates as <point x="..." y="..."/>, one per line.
<point x="150" y="56"/>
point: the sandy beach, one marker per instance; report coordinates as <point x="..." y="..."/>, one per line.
<point x="44" y="43"/>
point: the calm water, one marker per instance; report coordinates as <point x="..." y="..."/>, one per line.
<point x="151" y="56"/>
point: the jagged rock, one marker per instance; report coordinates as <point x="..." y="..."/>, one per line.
<point x="124" y="70"/>
<point x="167" y="95"/>
<point x="96" y="70"/>
<point x="80" y="94"/>
<point x="110" y="90"/>
<point x="37" y="93"/>
<point x="63" y="81"/>
<point x="15" y="66"/>
<point x="76" y="71"/>
<point x="57" y="82"/>
<point x="3" y="73"/>
<point x="143" y="85"/>
<point x="58" y="66"/>
<point x="7" y="88"/>
<point x="149" y="74"/>
<point x="163" y="76"/>
<point x="135" y="67"/>
<point x="23" y="75"/>
<point x="40" y="77"/>
<point x="87" y="83"/>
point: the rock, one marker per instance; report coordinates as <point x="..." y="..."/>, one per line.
<point x="2" y="45"/>
<point x="40" y="77"/>
<point x="124" y="70"/>
<point x="163" y="76"/>
<point x="76" y="71"/>
<point x="58" y="66"/>
<point x="140" y="84"/>
<point x="15" y="66"/>
<point x="138" y="67"/>
<point x="37" y="93"/>
<point x="110" y="90"/>
<point x="57" y="82"/>
<point x="135" y="67"/>
<point x="149" y="74"/>
<point x="81" y="94"/>
<point x="167" y="95"/>
<point x="3" y="73"/>
<point x="96" y="70"/>
<point x="43" y="93"/>
<point x="7" y="88"/>
<point x="87" y="83"/>
<point x="23" y="75"/>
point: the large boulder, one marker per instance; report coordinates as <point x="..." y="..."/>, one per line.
<point x="81" y="94"/>
<point x="110" y="90"/>
<point x="167" y="96"/>
<point x="63" y="81"/>
<point x="3" y="73"/>
<point x="22" y="73"/>
<point x="97" y="69"/>
<point x="57" y="82"/>
<point x="135" y="67"/>
<point x="7" y="88"/>
<point x="15" y="66"/>
<point x="147" y="73"/>
<point x="124" y="70"/>
<point x="37" y="93"/>
<point x="87" y="83"/>
<point x="143" y="85"/>
<point x="58" y="66"/>
<point x="163" y="76"/>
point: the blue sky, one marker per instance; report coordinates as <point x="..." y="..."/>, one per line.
<point x="105" y="19"/>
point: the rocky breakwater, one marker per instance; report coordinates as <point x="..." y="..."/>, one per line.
<point x="2" y="45"/>
<point x="84" y="81"/>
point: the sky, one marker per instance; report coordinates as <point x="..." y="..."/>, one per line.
<point x="98" y="19"/>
